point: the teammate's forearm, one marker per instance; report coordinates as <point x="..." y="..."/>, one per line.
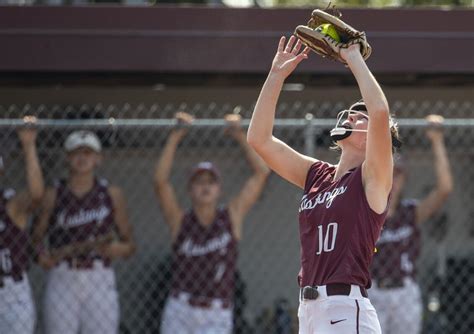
<point x="163" y="167"/>
<point x="120" y="249"/>
<point x="75" y="249"/>
<point x="59" y="254"/>
<point x="261" y="124"/>
<point x="33" y="173"/>
<point x="442" y="166"/>
<point x="81" y="247"/>
<point x="258" y="165"/>
<point x="370" y="90"/>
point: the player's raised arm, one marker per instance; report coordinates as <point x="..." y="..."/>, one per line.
<point x="40" y="229"/>
<point x="163" y="187"/>
<point x="285" y="161"/>
<point x="23" y="203"/>
<point x="248" y="195"/>
<point x="377" y="171"/>
<point x="444" y="178"/>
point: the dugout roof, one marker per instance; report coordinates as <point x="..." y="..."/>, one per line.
<point x="194" y="40"/>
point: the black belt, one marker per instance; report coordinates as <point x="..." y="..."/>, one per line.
<point x="335" y="289"/>
<point x="15" y="277"/>
<point x="203" y="302"/>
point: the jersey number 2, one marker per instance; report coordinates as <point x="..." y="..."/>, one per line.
<point x="327" y="241"/>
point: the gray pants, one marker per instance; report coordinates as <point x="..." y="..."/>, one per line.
<point x="81" y="300"/>
<point x="399" y="309"/>
<point x="180" y="317"/>
<point x="17" y="311"/>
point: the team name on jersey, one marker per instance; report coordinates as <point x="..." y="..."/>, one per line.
<point x="82" y="217"/>
<point x="326" y="197"/>
<point x="395" y="235"/>
<point x="189" y="248"/>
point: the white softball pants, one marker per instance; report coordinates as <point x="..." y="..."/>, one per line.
<point x="81" y="301"/>
<point x="353" y="314"/>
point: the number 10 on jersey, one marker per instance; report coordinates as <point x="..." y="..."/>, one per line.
<point x="326" y="239"/>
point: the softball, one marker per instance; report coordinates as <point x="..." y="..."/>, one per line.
<point x="328" y="29"/>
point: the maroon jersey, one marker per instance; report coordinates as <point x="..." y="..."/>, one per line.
<point x="338" y="229"/>
<point x="13" y="241"/>
<point x="81" y="219"/>
<point x="399" y="244"/>
<point x="204" y="257"/>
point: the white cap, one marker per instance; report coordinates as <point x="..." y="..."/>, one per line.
<point x="82" y="139"/>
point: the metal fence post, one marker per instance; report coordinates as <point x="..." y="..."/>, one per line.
<point x="309" y="133"/>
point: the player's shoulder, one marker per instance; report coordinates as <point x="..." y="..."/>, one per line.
<point x="58" y="188"/>
<point x="321" y="165"/>
<point x="223" y="209"/>
<point x="8" y="193"/>
<point x="317" y="170"/>
<point x="115" y="192"/>
<point x="105" y="185"/>
<point x="103" y="182"/>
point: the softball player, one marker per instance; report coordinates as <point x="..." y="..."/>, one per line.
<point x="17" y="313"/>
<point x="396" y="294"/>
<point x="81" y="217"/>
<point x="343" y="206"/>
<point x="205" y="238"/>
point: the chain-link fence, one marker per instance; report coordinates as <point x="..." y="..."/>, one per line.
<point x="264" y="296"/>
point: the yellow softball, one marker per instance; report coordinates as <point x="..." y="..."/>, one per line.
<point x="328" y="29"/>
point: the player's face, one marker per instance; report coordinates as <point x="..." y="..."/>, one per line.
<point x="204" y="189"/>
<point x="83" y="160"/>
<point x="358" y="121"/>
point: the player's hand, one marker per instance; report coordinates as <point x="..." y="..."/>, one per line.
<point x="113" y="250"/>
<point x="106" y="250"/>
<point x="234" y="127"/>
<point x="47" y="261"/>
<point x="434" y="132"/>
<point x="184" y="120"/>
<point x="27" y="133"/>
<point x="351" y="52"/>
<point x="288" y="57"/>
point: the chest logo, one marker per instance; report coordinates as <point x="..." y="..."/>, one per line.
<point x="395" y="235"/>
<point x="82" y="217"/>
<point x="326" y="197"/>
<point x="189" y="248"/>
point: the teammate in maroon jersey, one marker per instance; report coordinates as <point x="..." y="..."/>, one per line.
<point x="395" y="294"/>
<point x="205" y="238"/>
<point x="86" y="223"/>
<point x="17" y="313"/>
<point x="343" y="206"/>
